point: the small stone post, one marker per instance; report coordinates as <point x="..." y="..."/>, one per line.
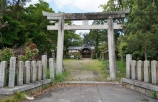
<point x="53" y="54"/>
<point x="12" y="71"/>
<point x="128" y="66"/>
<point x="140" y="70"/>
<point x="27" y="66"/>
<point x="33" y="71"/>
<point x="51" y="67"/>
<point x="39" y="70"/>
<point x="44" y="64"/>
<point x="146" y="71"/>
<point x="3" y="66"/>
<point x="154" y="70"/>
<point x="20" y="73"/>
<point x="134" y="70"/>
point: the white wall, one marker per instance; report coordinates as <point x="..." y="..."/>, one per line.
<point x="73" y="51"/>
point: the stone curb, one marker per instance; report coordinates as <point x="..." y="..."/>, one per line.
<point x="10" y="91"/>
<point x="90" y="82"/>
<point x="140" y="84"/>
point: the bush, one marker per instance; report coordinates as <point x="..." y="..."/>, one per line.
<point x="77" y="56"/>
<point x="93" y="56"/>
<point x="6" y="54"/>
<point x="67" y="56"/>
<point x="30" y="52"/>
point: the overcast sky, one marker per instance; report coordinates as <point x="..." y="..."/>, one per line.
<point x="75" y="6"/>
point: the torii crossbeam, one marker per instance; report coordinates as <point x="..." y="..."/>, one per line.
<point x="60" y="26"/>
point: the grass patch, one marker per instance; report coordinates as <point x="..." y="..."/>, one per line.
<point x="104" y="68"/>
<point x="154" y="94"/>
<point x="18" y="97"/>
<point x="121" y="65"/>
<point x="60" y="77"/>
<point x="95" y="65"/>
<point x="47" y="73"/>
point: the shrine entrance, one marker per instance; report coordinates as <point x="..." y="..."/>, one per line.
<point x="86" y="53"/>
<point x="110" y="25"/>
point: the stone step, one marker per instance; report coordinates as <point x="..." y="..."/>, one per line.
<point x="88" y="83"/>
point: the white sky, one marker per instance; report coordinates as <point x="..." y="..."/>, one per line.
<point x="75" y="6"/>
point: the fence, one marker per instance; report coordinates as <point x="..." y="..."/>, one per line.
<point x="19" y="73"/>
<point x="144" y="71"/>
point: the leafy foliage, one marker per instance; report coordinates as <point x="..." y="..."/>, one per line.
<point x="142" y="29"/>
<point x="6" y="54"/>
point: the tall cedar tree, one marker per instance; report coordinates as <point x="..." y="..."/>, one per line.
<point x="142" y="28"/>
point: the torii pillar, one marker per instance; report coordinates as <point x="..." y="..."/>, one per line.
<point x="111" y="48"/>
<point x="60" y="45"/>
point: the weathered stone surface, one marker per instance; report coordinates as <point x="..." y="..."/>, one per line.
<point x="134" y="70"/>
<point x="141" y="90"/>
<point x="60" y="43"/>
<point x="154" y="69"/>
<point x="3" y="66"/>
<point x="27" y="66"/>
<point x="146" y="71"/>
<point x="33" y="71"/>
<point x="44" y="64"/>
<point x="10" y="91"/>
<point x="51" y="68"/>
<point x="140" y="84"/>
<point x="128" y="66"/>
<point x="142" y="87"/>
<point x="86" y="16"/>
<point x="20" y="73"/>
<point x="84" y="27"/>
<point x="140" y="70"/>
<point x="12" y="72"/>
<point x="39" y="70"/>
<point x="111" y="48"/>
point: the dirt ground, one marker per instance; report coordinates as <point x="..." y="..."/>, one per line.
<point x="84" y="70"/>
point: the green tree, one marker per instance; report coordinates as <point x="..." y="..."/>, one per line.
<point x="142" y="27"/>
<point x="30" y="25"/>
<point x="3" y="11"/>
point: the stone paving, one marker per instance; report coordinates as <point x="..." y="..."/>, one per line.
<point x="92" y="93"/>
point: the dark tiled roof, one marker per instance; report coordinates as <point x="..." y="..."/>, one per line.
<point x="80" y="47"/>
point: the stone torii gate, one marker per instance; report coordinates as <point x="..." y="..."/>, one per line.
<point x="61" y="26"/>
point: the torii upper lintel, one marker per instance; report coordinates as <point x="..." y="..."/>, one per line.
<point x="86" y="16"/>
